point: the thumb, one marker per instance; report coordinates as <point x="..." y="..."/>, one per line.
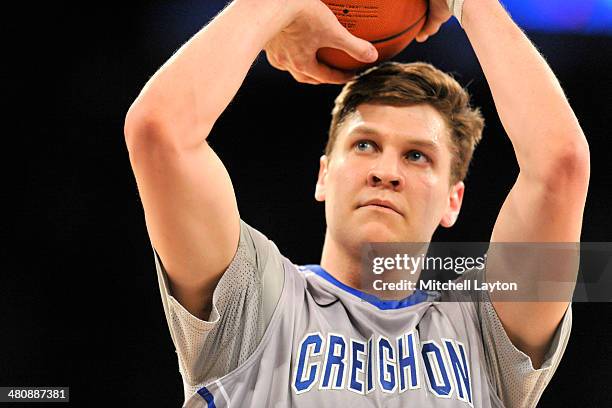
<point x="357" y="48"/>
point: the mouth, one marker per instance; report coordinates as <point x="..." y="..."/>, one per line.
<point x="381" y="205"/>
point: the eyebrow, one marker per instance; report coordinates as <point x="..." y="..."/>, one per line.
<point x="368" y="130"/>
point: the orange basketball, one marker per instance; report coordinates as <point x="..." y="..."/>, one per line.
<point x="390" y="25"/>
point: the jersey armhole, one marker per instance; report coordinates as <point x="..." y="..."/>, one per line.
<point x="270" y="328"/>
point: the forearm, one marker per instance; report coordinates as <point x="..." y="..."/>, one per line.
<point x="531" y="104"/>
<point x="191" y="90"/>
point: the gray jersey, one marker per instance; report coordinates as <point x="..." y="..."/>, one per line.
<point x="282" y="335"/>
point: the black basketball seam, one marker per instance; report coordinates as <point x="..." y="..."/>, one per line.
<point x="401" y="32"/>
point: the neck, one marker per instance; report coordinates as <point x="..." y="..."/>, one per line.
<point x="344" y="263"/>
<point x="341" y="262"/>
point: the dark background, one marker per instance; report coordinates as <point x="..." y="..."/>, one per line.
<point x="79" y="299"/>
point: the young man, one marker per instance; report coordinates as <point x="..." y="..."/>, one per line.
<point x="253" y="329"/>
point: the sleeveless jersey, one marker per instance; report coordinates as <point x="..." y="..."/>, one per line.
<point x="282" y="335"/>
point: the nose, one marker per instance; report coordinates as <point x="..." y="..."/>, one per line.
<point x="386" y="174"/>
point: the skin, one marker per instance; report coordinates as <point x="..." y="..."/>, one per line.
<point x="287" y="50"/>
<point x="547" y="201"/>
<point x="189" y="203"/>
<point x="399" y="154"/>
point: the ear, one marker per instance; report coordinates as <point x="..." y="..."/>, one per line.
<point x="320" y="189"/>
<point x="455" y="199"/>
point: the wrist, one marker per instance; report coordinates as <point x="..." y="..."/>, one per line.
<point x="474" y="10"/>
<point x="282" y="11"/>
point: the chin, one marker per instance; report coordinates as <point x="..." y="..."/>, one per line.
<point x="378" y="232"/>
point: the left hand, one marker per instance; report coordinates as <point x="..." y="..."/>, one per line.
<point x="438" y="15"/>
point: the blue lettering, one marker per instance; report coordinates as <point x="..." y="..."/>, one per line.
<point x="370" y="366"/>
<point x="334" y="359"/>
<point x="357" y="363"/>
<point x="443" y="388"/>
<point x="460" y="369"/>
<point x="386" y="365"/>
<point x="310" y="347"/>
<point x="407" y="361"/>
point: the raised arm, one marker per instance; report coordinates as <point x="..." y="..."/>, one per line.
<point x="188" y="199"/>
<point x="547" y="201"/>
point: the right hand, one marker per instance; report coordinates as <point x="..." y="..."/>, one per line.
<point x="294" y="49"/>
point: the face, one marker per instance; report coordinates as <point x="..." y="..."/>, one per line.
<point x="388" y="177"/>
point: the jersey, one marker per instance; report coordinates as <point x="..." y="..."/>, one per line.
<point x="283" y="335"/>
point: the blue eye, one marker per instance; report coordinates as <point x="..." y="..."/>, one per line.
<point x="362" y="145"/>
<point x="415" y="155"/>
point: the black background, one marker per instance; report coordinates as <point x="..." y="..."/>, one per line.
<point x="80" y="304"/>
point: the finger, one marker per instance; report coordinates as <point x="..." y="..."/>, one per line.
<point x="357" y="48"/>
<point x="421" y="37"/>
<point x="274" y="62"/>
<point x="320" y="72"/>
<point x="315" y="71"/>
<point x="326" y="74"/>
<point x="303" y="78"/>
<point x="430" y="28"/>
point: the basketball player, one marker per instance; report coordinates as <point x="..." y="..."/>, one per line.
<point x="254" y="330"/>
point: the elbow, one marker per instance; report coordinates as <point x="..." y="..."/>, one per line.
<point x="153" y="123"/>
<point x="141" y="122"/>
<point x="570" y="167"/>
<point x="131" y="121"/>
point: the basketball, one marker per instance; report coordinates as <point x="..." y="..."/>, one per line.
<point x="390" y="25"/>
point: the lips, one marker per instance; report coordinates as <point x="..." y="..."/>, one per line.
<point x="383" y="204"/>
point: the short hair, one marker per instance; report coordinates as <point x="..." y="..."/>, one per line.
<point x="407" y="84"/>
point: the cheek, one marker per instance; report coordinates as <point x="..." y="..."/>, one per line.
<point x="422" y="181"/>
<point x="342" y="191"/>
<point x="427" y="186"/>
<point x="347" y="174"/>
<point x="344" y="183"/>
